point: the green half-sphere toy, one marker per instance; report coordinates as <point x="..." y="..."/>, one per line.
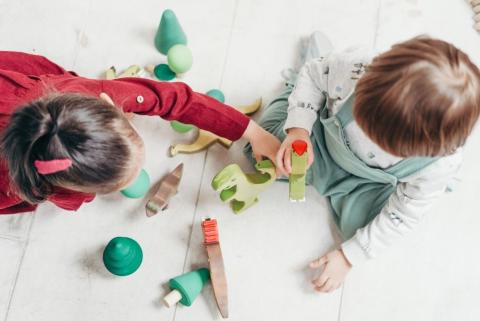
<point x="217" y="94"/>
<point x="163" y="72"/>
<point x="181" y="127"/>
<point x="139" y="187"/>
<point x="122" y="256"/>
<point x="180" y="59"/>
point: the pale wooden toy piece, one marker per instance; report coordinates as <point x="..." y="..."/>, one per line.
<point x="474" y="2"/>
<point x="477" y="18"/>
<point x="172" y="298"/>
<point x="205" y="138"/>
<point x="167" y="189"/>
<point x="241" y="190"/>
<point x="476" y="9"/>
<point x="217" y="267"/>
<point x="131" y="71"/>
<point x="296" y="180"/>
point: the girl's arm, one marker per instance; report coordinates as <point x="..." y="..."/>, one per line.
<point x="404" y="210"/>
<point x="176" y="101"/>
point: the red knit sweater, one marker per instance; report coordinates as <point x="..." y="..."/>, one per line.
<point x="25" y="77"/>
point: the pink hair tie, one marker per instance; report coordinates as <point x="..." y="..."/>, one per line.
<point x="52" y="166"/>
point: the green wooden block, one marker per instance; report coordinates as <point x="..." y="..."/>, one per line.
<point x="296" y="180"/>
<point x="241" y="189"/>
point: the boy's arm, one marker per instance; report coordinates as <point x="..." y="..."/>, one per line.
<point x="308" y="95"/>
<point x="176" y="101"/>
<point x="404" y="210"/>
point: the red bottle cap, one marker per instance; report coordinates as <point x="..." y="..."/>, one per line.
<point x="299" y="146"/>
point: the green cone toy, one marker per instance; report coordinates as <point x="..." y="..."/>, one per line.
<point x="186" y="287"/>
<point x="122" y="256"/>
<point x="139" y="187"/>
<point x="169" y="32"/>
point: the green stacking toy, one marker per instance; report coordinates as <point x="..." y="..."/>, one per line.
<point x="179" y="59"/>
<point x="217" y="94"/>
<point x="169" y="32"/>
<point x="299" y="158"/>
<point x="122" y="256"/>
<point x="139" y="187"/>
<point x="163" y="72"/>
<point x="186" y="287"/>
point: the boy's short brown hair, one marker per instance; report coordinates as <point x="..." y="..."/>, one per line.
<point x="420" y="98"/>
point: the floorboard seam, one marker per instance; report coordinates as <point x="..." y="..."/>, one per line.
<point x="25" y="246"/>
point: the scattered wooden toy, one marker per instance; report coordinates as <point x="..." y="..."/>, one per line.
<point x="169" y="32"/>
<point x="241" y="190"/>
<point x="217" y="267"/>
<point x="167" y="189"/>
<point x="122" y="256"/>
<point x="132" y="71"/>
<point x="139" y="187"/>
<point x="162" y="72"/>
<point x="476" y="9"/>
<point x="296" y="180"/>
<point x="217" y="94"/>
<point x="179" y="59"/>
<point x="186" y="287"/>
<point x="204" y="138"/>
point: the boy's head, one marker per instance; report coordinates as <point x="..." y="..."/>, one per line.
<point x="420" y="98"/>
<point x="105" y="151"/>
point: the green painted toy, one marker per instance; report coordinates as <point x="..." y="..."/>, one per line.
<point x="296" y="180"/>
<point x="163" y="72"/>
<point x="122" y="256"/>
<point x="180" y="59"/>
<point x="139" y="187"/>
<point x="181" y="127"/>
<point x="217" y="94"/>
<point x="186" y="287"/>
<point x="169" y="32"/>
<point x="241" y="189"/>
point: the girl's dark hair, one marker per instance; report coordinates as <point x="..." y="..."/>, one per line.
<point x="93" y="134"/>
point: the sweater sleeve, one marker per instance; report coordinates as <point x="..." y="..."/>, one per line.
<point x="28" y="64"/>
<point x="176" y="101"/>
<point x="308" y="95"/>
<point x="404" y="210"/>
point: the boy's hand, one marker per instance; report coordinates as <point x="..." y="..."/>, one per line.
<point x="264" y="144"/>
<point x="283" y="156"/>
<point x="336" y="268"/>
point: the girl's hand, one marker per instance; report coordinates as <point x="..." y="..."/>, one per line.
<point x="336" y="268"/>
<point x="263" y="143"/>
<point x="283" y="155"/>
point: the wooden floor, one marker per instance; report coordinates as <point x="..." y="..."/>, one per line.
<point x="50" y="261"/>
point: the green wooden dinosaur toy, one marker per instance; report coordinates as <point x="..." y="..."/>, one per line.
<point x="242" y="189"/>
<point x="296" y="179"/>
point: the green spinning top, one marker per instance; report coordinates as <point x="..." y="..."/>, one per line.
<point x="122" y="256"/>
<point x="139" y="187"/>
<point x="186" y="287"/>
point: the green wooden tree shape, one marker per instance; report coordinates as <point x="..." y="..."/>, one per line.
<point x="241" y="189"/>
